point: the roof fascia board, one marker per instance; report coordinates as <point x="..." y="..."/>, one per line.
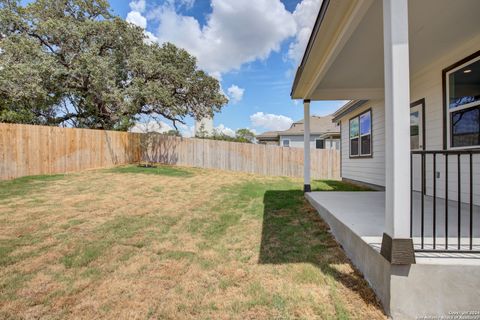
<point x="311" y="40"/>
<point x="351" y="108"/>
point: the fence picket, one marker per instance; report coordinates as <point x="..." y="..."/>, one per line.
<point x="29" y="150"/>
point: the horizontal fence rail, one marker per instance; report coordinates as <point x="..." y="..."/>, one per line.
<point x="444" y="211"/>
<point x="32" y="150"/>
<point x="245" y="157"/>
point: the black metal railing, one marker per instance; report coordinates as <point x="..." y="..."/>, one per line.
<point x="430" y="207"/>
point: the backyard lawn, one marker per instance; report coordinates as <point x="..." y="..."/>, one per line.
<point x="172" y="243"/>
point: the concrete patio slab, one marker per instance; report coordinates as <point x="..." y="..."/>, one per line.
<point x="439" y="283"/>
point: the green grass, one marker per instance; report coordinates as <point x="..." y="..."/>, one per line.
<point x="26" y="186"/>
<point x="335" y="185"/>
<point x="82" y="257"/>
<point x="207" y="244"/>
<point x="169" y="171"/>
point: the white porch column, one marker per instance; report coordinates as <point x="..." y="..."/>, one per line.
<point x="306" y="146"/>
<point x="397" y="246"/>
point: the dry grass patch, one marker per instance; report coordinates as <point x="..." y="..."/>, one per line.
<point x="171" y="243"/>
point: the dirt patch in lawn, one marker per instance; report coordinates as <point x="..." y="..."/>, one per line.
<point x="172" y="243"/>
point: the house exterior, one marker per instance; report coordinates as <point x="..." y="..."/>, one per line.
<point x="269" y="138"/>
<point x="325" y="134"/>
<point x="411" y="70"/>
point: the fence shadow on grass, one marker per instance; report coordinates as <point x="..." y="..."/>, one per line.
<point x="293" y="232"/>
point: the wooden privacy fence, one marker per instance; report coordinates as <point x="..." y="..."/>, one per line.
<point x="32" y="150"/>
<point x="253" y="158"/>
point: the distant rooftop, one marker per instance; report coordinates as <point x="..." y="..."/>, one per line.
<point x="318" y="125"/>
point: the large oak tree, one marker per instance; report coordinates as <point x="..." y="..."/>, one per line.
<point x="72" y="62"/>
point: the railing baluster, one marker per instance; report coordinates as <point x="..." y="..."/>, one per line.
<point x="436" y="247"/>
<point x="423" y="201"/>
<point x="434" y="200"/>
<point x="446" y="201"/>
<point x="471" y="201"/>
<point x="459" y="205"/>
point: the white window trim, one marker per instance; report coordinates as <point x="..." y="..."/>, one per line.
<point x="465" y="106"/>
<point x="350" y="138"/>
<point x="288" y="143"/>
<point x="359" y="136"/>
<point x="419" y="104"/>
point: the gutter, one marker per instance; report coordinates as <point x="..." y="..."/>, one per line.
<point x="349" y="107"/>
<point x="311" y="133"/>
<point x="313" y="37"/>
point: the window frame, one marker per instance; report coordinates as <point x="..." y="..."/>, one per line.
<point x="447" y="112"/>
<point x="283" y="140"/>
<point x="359" y="136"/>
<point x="421" y="103"/>
<point x="319" y="139"/>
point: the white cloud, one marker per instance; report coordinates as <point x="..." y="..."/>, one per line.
<point x="235" y="93"/>
<point x="138" y="6"/>
<point x="185" y="3"/>
<point x="269" y="121"/>
<point x="186" y="131"/>
<point x="136" y="18"/>
<point x="150" y="37"/>
<point x="151" y="126"/>
<point x="225" y="130"/>
<point x="304" y="15"/>
<point x="236" y="32"/>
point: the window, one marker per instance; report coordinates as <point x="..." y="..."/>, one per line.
<point x="415" y="130"/>
<point x="320" y="144"/>
<point x="286" y="143"/>
<point x="463" y="104"/>
<point x="417" y="110"/>
<point x="361" y="135"/>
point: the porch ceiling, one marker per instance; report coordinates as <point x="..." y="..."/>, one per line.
<point x="345" y="57"/>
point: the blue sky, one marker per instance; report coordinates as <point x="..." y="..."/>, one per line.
<point x="251" y="46"/>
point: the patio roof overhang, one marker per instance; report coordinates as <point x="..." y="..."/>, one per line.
<point x="344" y="59"/>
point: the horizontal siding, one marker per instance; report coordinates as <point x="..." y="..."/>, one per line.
<point x="369" y="170"/>
<point x="297" y="141"/>
<point x="427" y="84"/>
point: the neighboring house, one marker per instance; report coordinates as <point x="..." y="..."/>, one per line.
<point x="412" y="128"/>
<point x="269" y="138"/>
<point x="325" y="134"/>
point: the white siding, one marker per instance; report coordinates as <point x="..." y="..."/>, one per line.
<point x="428" y="84"/>
<point x="370" y="170"/>
<point x="425" y="84"/>
<point x="297" y="141"/>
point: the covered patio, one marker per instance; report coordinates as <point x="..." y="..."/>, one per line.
<point x="393" y="54"/>
<point x="363" y="215"/>
<point x="438" y="283"/>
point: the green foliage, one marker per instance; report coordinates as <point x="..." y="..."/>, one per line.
<point x="73" y="62"/>
<point x="242" y="135"/>
<point x="173" y="132"/>
<point x="245" y="134"/>
<point x="202" y="133"/>
<point x="160" y="170"/>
